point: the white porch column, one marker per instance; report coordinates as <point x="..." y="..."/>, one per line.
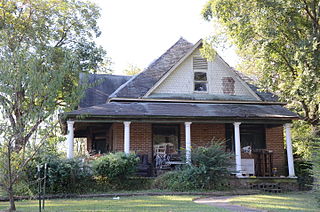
<point x="70" y="137"/>
<point x="127" y="137"/>
<point x="188" y="141"/>
<point x="289" y="150"/>
<point x="237" y="147"/>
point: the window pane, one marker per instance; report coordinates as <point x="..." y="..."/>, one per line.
<point x="200" y="76"/>
<point x="200" y="86"/>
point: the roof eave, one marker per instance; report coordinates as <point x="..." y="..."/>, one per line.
<point x="118" y="99"/>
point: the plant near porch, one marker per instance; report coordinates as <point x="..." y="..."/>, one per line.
<point x="115" y="168"/>
<point x="209" y="169"/>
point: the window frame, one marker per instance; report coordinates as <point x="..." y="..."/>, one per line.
<point x="206" y="82"/>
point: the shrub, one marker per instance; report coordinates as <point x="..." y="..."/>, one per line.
<point x="303" y="170"/>
<point x="209" y="170"/>
<point x="115" y="166"/>
<point x="63" y="175"/>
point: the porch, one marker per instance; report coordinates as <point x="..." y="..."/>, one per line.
<point x="258" y="145"/>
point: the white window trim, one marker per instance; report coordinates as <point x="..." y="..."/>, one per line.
<point x="200" y="81"/>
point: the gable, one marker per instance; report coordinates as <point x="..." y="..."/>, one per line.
<point x="221" y="82"/>
<point x="139" y="85"/>
<point x="171" y="77"/>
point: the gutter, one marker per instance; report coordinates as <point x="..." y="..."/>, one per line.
<point x="117" y="99"/>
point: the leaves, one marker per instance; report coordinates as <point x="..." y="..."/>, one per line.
<point x="279" y="42"/>
<point x="45" y="45"/>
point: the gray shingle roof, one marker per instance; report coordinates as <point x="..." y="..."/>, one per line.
<point x="104" y="85"/>
<point x="139" y="85"/>
<point x="172" y="110"/>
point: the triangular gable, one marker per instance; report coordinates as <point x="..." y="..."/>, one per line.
<point x="139" y="85"/>
<point x="178" y="83"/>
<point x="146" y="85"/>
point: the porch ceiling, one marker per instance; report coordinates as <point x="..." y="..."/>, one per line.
<point x="140" y="110"/>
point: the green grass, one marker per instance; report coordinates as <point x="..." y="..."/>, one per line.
<point x="139" y="203"/>
<point x="293" y="202"/>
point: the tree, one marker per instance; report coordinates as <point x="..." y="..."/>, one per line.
<point x="132" y="70"/>
<point x="44" y="46"/>
<point x="279" y="41"/>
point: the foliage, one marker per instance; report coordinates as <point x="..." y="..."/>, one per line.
<point x="63" y="175"/>
<point x="115" y="166"/>
<point x="44" y="47"/>
<point x="303" y="170"/>
<point x="132" y="70"/>
<point x="316" y="169"/>
<point x="209" y="170"/>
<point x="302" y="139"/>
<point x="280" y="42"/>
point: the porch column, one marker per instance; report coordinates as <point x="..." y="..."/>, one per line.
<point x="237" y="147"/>
<point x="188" y="141"/>
<point x="70" y="137"/>
<point x="289" y="150"/>
<point x="127" y="137"/>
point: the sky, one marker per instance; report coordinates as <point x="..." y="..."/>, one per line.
<point x="136" y="32"/>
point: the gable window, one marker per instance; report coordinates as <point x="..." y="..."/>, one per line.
<point x="200" y="67"/>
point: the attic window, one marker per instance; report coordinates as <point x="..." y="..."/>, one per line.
<point x="200" y="67"/>
<point x="200" y="63"/>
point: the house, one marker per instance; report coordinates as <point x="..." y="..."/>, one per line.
<point x="181" y="101"/>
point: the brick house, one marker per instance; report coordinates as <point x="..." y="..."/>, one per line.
<point x="182" y="101"/>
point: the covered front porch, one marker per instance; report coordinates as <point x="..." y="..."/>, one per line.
<point x="257" y="144"/>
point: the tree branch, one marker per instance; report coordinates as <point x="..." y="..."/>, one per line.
<point x="23" y="165"/>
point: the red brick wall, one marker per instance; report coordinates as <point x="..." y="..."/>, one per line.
<point x="202" y="134"/>
<point x="140" y="137"/>
<point x="117" y="136"/>
<point x="274" y="140"/>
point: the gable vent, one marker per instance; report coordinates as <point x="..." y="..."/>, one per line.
<point x="200" y="63"/>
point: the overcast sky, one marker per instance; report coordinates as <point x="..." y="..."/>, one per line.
<point x="138" y="31"/>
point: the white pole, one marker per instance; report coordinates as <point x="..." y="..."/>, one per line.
<point x="289" y="150"/>
<point x="237" y="147"/>
<point x="70" y="137"/>
<point x="188" y="141"/>
<point x="127" y="137"/>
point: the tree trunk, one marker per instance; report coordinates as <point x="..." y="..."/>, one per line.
<point x="11" y="199"/>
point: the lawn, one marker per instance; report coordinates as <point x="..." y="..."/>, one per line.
<point x="293" y="202"/>
<point x="139" y="203"/>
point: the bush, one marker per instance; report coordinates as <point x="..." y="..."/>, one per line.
<point x="115" y="166"/>
<point x="63" y="175"/>
<point x="209" y="170"/>
<point x="303" y="170"/>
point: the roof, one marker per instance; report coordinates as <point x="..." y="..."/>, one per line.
<point x="103" y="86"/>
<point x="139" y="85"/>
<point x="175" y="110"/>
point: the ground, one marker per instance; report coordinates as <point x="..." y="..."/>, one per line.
<point x="136" y="204"/>
<point x="293" y="202"/>
<point x="290" y="202"/>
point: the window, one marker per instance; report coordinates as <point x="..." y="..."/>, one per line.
<point x="200" y="67"/>
<point x="166" y="139"/>
<point x="250" y="135"/>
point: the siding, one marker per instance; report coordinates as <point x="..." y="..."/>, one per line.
<point x="181" y="79"/>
